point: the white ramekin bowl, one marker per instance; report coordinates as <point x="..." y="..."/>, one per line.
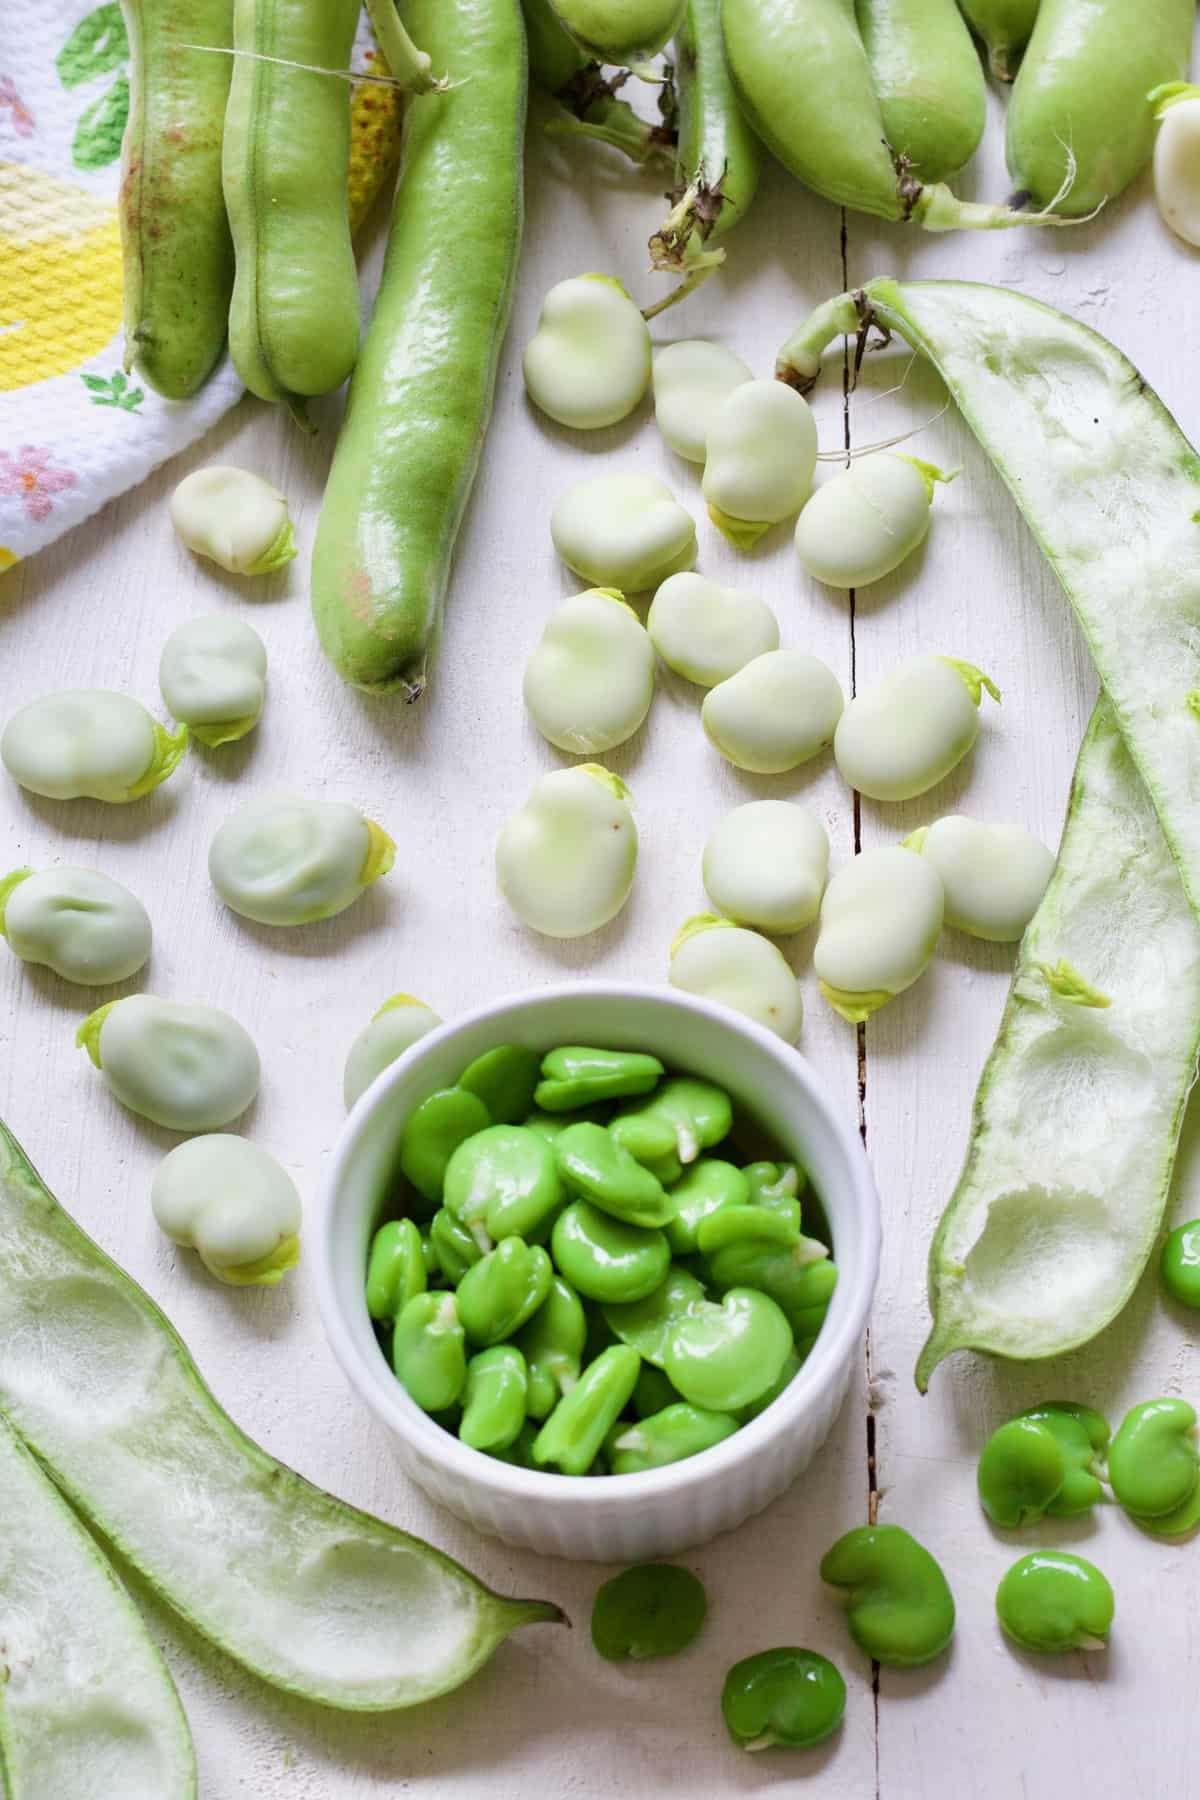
<point x="629" y="1516"/>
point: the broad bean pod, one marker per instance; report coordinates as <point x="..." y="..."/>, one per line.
<point x="624" y="32"/>
<point x="929" y="83"/>
<point x="1005" y="27"/>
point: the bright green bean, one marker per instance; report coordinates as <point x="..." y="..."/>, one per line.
<point x="1153" y="1463"/>
<point x="679" y="1431"/>
<point x="433" y="1133"/>
<point x="607" y="1259"/>
<point x="503" y="1182"/>
<point x="494" y="1398"/>
<point x="575" y="1076"/>
<point x="724" y="1356"/>
<point x="504" y="1079"/>
<point x="786" y="1696"/>
<point x="653" y="1609"/>
<point x="1082" y="1435"/>
<point x="453" y="1246"/>
<point x="395" y="1269"/>
<point x="1179" y="1265"/>
<point x="573" y="1434"/>
<point x="592" y="1164"/>
<point x="1021" y="1471"/>
<point x="429" y="1351"/>
<point x="645" y="1325"/>
<point x="709" y="1186"/>
<point x="898" y="1604"/>
<point x="503" y="1289"/>
<point x="699" y="1113"/>
<point x="1052" y="1601"/>
<point x="552" y="1343"/>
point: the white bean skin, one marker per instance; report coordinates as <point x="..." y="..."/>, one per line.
<point x="880" y="921"/>
<point x="765" y="865"/>
<point x="863" y="522"/>
<point x="691" y="379"/>
<point x="234" y="518"/>
<point x="290" y="861"/>
<point x="83" y="925"/>
<point x="233" y="1204"/>
<point x="994" y="876"/>
<point x="399" y="1023"/>
<point x="89" y="744"/>
<point x="774" y="714"/>
<point x="761" y="454"/>
<point x="588" y="363"/>
<point x="705" y="632"/>
<point x="901" y="737"/>
<point x="189" y="1068"/>
<point x="589" y="683"/>
<point x="565" y="862"/>
<point x="212" y="675"/>
<point x="623" y="531"/>
<point x="739" y="969"/>
<point x="1177" y="168"/>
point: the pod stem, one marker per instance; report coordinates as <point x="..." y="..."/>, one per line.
<point x="799" y="361"/>
<point x="700" y="267"/>
<point x="588" y="106"/>
<point x="411" y="67"/>
<point x="937" y="208"/>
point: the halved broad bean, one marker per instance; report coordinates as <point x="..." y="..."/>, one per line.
<point x="504" y="1079"/>
<point x="765" y="865"/>
<point x="590" y="680"/>
<point x="572" y="1436"/>
<point x="89" y="744"/>
<point x="395" y="1269"/>
<point x="290" y="860"/>
<point x="699" y="1113"/>
<point x="777" y="1186"/>
<point x="1153" y="1464"/>
<point x="799" y="1277"/>
<point x="552" y="1343"/>
<point x="234" y="1205"/>
<point x="588" y="362"/>
<point x="503" y="1182"/>
<point x="494" y="1398"/>
<point x="429" y="1351"/>
<point x="212" y="677"/>
<point x="1021" y="1471"/>
<point x="898" y="1603"/>
<point x="786" y="1696"/>
<point x="593" y="1165"/>
<point x="881" y="917"/>
<point x="453" y="1246"/>
<point x="760" y="454"/>
<point x="623" y="531"/>
<point x="397" y="1025"/>
<point x="739" y="969"/>
<point x="234" y="518"/>
<point x="691" y="380"/>
<point x="432" y="1134"/>
<point x="83" y="925"/>
<point x="670" y="1436"/>
<point x="723" y="1356"/>
<point x="565" y="861"/>
<point x="606" y="1259"/>
<point x="743" y="1222"/>
<point x="1180" y="1264"/>
<point x="706" y="632"/>
<point x="190" y="1068"/>
<point x="994" y="876"/>
<point x="777" y="712"/>
<point x="1052" y="1601"/>
<point x="1082" y="1435"/>
<point x="864" y="521"/>
<point x="645" y="1325"/>
<point x="577" y="1075"/>
<point x="708" y="1186"/>
<point x="901" y="737"/>
<point x="653" y="1609"/>
<point x="502" y="1290"/>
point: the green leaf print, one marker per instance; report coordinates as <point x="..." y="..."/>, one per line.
<point x="97" y="45"/>
<point x="113" y="390"/>
<point x="97" y="140"/>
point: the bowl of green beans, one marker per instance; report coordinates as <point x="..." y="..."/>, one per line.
<point x="599" y="1257"/>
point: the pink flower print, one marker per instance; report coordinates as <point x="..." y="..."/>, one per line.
<point x="22" y="118"/>
<point x="32" y="474"/>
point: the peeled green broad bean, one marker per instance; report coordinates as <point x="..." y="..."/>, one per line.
<point x="290" y="861"/>
<point x="1179" y="1266"/>
<point x="652" y="1141"/>
<point x="670" y="1436"/>
<point x="577" y="1075"/>
<point x="453" y="1246"/>
<point x="691" y="379"/>
<point x="785" y="1697"/>
<point x="432" y="1134"/>
<point x="1022" y="1469"/>
<point x="722" y="1356"/>
<point x="787" y="1374"/>
<point x="502" y="1290"/>
<point x="572" y="1436"/>
<point x="881" y="917"/>
<point x="212" y="677"/>
<point x="653" y="1609"/>
<point x="399" y="1023"/>
<point x="429" y="1353"/>
<point x="799" y="1277"/>
<point x="739" y="969"/>
<point x="706" y="632"/>
<point x="592" y="1164"/>
<point x="565" y="862"/>
<point x="652" y="1392"/>
<point x="698" y="1113"/>
<point x="83" y="925"/>
<point x="864" y="521"/>
<point x="494" y="1398"/>
<point x="993" y="876"/>
<point x="589" y="683"/>
<point x="901" y="737"/>
<point x="395" y="1268"/>
<point x="623" y="531"/>
<point x="766" y="864"/>
<point x="777" y="1186"/>
<point x="708" y="1186"/>
<point x="520" y="1452"/>
<point x="89" y="744"/>
<point x="503" y="1182"/>
<point x="1153" y="1465"/>
<point x="188" y="1068"/>
<point x="742" y="1222"/>
<point x="599" y="1335"/>
<point x="588" y="363"/>
<point x="645" y="1325"/>
<point x="234" y="518"/>
<point x="777" y="712"/>
<point x="899" y="1607"/>
<point x="234" y="1205"/>
<point x="760" y="454"/>
<point x="1052" y="1601"/>
<point x="552" y="1343"/>
<point x="606" y="1259"/>
<point x="1082" y="1435"/>
<point x="505" y="1079"/>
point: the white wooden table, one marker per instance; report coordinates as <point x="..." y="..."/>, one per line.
<point x="547" y="1717"/>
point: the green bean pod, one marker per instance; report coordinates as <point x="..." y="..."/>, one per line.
<point x="928" y="80"/>
<point x="1079" y="110"/>
<point x="176" y="247"/>
<point x="422" y="391"/>
<point x="1005" y="27"/>
<point x="293" y="319"/>
<point x="624" y="32"/>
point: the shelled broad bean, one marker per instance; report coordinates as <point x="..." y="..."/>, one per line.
<point x="527" y="1293"/>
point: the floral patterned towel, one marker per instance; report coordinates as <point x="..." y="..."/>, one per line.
<point x="75" y="429"/>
